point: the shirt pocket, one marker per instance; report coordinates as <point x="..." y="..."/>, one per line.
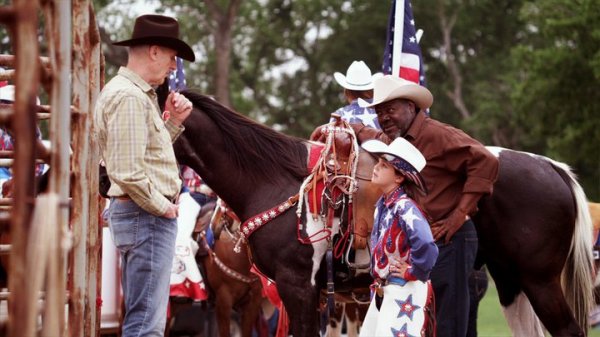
<point x="160" y="136"/>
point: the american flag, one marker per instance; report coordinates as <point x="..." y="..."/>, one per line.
<point x="402" y="56"/>
<point x="177" y="78"/>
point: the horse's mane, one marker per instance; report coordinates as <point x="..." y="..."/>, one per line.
<point x="261" y="151"/>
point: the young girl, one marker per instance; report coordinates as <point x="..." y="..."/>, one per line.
<point x="402" y="246"/>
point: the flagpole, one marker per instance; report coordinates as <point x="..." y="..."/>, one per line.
<point x="398" y="34"/>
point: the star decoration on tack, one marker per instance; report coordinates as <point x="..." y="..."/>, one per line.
<point x="403" y="332"/>
<point x="407" y="308"/>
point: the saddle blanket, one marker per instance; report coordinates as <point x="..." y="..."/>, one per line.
<point x="314" y="196"/>
<point x="186" y="280"/>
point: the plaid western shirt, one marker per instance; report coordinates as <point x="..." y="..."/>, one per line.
<point x="136" y="144"/>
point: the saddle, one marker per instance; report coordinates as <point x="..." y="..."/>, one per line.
<point x="365" y="197"/>
<point x="339" y="162"/>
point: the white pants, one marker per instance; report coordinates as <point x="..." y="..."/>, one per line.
<point x="402" y="310"/>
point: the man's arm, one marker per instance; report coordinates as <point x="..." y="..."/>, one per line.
<point x="446" y="228"/>
<point x="364" y="133"/>
<point x="481" y="169"/>
<point x="179" y="108"/>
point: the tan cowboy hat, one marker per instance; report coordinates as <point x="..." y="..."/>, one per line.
<point x="358" y="77"/>
<point x="391" y="87"/>
<point x="158" y="30"/>
<point x="404" y="156"/>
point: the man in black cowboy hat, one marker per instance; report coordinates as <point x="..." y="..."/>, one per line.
<point x="459" y="171"/>
<point x="135" y="142"/>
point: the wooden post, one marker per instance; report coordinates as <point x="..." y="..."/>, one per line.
<point x="94" y="238"/>
<point x="24" y="37"/>
<point x="81" y="147"/>
<point x="44" y="256"/>
<point x="57" y="14"/>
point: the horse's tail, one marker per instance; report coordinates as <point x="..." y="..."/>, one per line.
<point x="577" y="275"/>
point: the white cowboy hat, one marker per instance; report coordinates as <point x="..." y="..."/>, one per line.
<point x="404" y="156"/>
<point x="358" y="77"/>
<point x="7" y="93"/>
<point x="391" y="87"/>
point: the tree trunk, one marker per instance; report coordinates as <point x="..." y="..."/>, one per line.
<point x="113" y="54"/>
<point x="446" y="26"/>
<point x="221" y="28"/>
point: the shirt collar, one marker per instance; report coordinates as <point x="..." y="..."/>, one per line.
<point x="392" y="198"/>
<point x="416" y="126"/>
<point x="135" y="79"/>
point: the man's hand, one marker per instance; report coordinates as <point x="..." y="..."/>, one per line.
<point x="319" y="135"/>
<point x="178" y="106"/>
<point x="172" y="212"/>
<point x="446" y="228"/>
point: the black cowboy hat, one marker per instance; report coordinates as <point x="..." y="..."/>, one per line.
<point x="158" y="30"/>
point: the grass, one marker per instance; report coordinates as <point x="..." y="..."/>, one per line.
<point x="491" y="322"/>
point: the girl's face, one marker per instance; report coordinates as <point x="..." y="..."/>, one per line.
<point x="385" y="176"/>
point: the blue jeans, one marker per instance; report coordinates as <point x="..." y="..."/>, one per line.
<point x="450" y="281"/>
<point x="478" y="284"/>
<point x="147" y="246"/>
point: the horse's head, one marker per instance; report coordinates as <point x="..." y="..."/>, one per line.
<point x="236" y="156"/>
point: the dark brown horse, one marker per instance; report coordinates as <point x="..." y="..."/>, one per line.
<point x="533" y="229"/>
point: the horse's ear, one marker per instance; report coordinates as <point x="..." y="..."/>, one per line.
<point x="162" y="92"/>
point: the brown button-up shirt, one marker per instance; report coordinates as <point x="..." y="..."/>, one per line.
<point x="456" y="164"/>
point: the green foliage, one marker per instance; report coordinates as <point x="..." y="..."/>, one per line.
<point x="530" y="69"/>
<point x="556" y="76"/>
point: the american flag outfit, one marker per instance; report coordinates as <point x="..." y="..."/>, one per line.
<point x="400" y="232"/>
<point x="353" y="113"/>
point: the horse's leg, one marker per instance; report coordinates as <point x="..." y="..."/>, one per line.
<point x="521" y="318"/>
<point x="352" y="319"/>
<point x="549" y="303"/>
<point x="251" y="309"/>
<point x="517" y="310"/>
<point x="301" y="303"/>
<point x="224" y="307"/>
<point x="334" y="326"/>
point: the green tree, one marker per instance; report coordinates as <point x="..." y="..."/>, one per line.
<point x="515" y="73"/>
<point x="284" y="53"/>
<point x="466" y="45"/>
<point x="556" y="76"/>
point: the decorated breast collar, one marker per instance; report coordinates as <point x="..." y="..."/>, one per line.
<point x="251" y="225"/>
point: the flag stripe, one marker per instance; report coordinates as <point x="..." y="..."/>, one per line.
<point x="402" y="55"/>
<point x="409" y="74"/>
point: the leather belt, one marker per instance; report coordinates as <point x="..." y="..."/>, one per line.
<point x="126" y="197"/>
